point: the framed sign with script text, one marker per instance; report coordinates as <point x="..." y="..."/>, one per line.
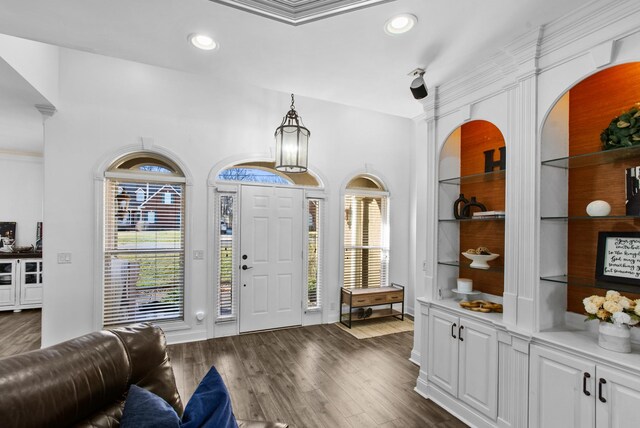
<point x="618" y="258"/>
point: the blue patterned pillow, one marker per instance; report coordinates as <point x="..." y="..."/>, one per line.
<point x="145" y="409"/>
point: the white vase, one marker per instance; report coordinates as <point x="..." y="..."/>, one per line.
<point x="598" y="209"/>
<point x="614" y="337"/>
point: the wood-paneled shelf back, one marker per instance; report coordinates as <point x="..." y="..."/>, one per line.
<point x="477" y="138"/>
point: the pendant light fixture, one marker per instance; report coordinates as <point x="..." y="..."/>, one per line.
<point x="292" y="142"/>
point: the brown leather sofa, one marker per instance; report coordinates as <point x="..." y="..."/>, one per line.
<point x="83" y="382"/>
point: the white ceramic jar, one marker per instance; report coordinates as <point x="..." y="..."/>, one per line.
<point x="465" y="285"/>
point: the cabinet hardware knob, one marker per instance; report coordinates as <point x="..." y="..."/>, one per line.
<point x="585" y="377"/>
<point x="460" y="333"/>
<point x="453" y="326"/>
<point x="600" y="397"/>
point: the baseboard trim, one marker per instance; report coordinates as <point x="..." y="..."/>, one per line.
<point x="415" y="357"/>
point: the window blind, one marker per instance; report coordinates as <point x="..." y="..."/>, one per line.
<point x="227" y="272"/>
<point x="366" y="251"/>
<point x="143" y="260"/>
<point x="314" y="253"/>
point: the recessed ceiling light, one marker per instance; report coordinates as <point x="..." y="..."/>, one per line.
<point x="202" y="41"/>
<point x="400" y="24"/>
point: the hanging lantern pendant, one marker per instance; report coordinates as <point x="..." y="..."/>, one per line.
<point x="292" y="143"/>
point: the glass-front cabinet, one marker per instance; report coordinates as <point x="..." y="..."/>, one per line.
<point x="20" y="284"/>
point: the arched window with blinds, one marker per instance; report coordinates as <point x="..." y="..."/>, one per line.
<point x="365" y="233"/>
<point x="144" y="240"/>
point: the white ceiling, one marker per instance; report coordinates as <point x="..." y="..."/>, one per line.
<point x="346" y="58"/>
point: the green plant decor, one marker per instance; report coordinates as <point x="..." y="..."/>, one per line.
<point x="623" y="131"/>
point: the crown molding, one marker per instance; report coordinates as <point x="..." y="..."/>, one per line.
<point x="587" y="20"/>
<point x="17" y="155"/>
<point x="296" y="12"/>
<point x="522" y="57"/>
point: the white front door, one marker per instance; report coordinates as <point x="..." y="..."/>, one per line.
<point x="270" y="258"/>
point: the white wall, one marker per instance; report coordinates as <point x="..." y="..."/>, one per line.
<point x="107" y="104"/>
<point x="21" y="178"/>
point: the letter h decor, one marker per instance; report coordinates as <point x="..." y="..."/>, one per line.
<point x="490" y="164"/>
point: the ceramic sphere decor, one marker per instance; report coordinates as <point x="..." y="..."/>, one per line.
<point x="598" y="209"/>
<point x="617" y="314"/>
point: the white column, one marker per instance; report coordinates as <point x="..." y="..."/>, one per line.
<point x="425" y="176"/>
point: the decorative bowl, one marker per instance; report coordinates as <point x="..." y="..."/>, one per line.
<point x="479" y="261"/>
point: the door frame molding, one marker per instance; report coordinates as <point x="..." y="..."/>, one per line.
<point x="231" y="327"/>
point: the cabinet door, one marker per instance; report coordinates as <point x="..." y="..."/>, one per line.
<point x="621" y="395"/>
<point x="443" y="351"/>
<point x="562" y="391"/>
<point x="478" y="367"/>
<point x="31" y="282"/>
<point x="7" y="283"/>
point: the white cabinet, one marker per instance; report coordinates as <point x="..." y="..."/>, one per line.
<point x="20" y="284"/>
<point x="557" y="397"/>
<point x="573" y="392"/>
<point x="7" y="283"/>
<point x="30" y="281"/>
<point x="464" y="360"/>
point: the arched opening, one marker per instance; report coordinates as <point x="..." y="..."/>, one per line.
<point x="365" y="233"/>
<point x="590" y="151"/>
<point x="144" y="240"/>
<point x="471" y="208"/>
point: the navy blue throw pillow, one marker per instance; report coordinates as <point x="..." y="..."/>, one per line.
<point x="144" y="409"/>
<point x="210" y="405"/>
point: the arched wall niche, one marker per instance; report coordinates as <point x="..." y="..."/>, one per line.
<point x="461" y="172"/>
<point x="572" y="127"/>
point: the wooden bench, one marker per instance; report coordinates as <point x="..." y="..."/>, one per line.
<point x="364" y="297"/>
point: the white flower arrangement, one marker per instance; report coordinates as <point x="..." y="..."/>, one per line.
<point x="613" y="308"/>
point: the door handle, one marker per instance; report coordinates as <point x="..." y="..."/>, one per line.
<point x="245" y="267"/>
<point x="460" y="333"/>
<point x="600" y="397"/>
<point x="453" y="326"/>
<point x="585" y="377"/>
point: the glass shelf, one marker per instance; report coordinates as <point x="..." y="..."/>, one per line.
<point x="577" y="281"/>
<point x="466" y="265"/>
<point x="609" y="217"/>
<point x="452" y="220"/>
<point x="484" y="177"/>
<point x="596" y="158"/>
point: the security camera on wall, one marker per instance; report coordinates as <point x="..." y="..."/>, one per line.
<point x="418" y="86"/>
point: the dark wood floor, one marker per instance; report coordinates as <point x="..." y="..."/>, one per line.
<point x="19" y="331"/>
<point x="317" y="376"/>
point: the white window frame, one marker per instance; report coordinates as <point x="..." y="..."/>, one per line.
<point x="235" y="304"/>
<point x="100" y="176"/>
<point x="386" y="233"/>
<point x="318" y="196"/>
